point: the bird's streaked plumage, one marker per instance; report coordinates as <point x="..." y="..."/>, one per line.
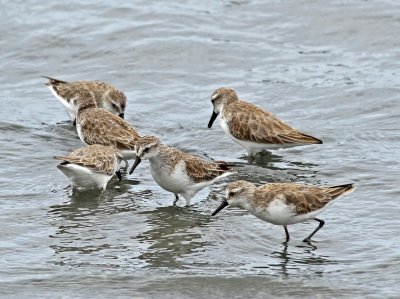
<point x="283" y="203"/>
<point x="252" y="127"/>
<point x="105" y="95"/>
<point x="176" y="171"/>
<point x="99" y="126"/>
<point x="91" y="167"/>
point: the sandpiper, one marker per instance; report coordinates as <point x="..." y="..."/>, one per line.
<point x="283" y="203"/>
<point x="91" y="167"/>
<point x="99" y="126"/>
<point x="105" y="95"/>
<point x="176" y="171"/>
<point x="253" y="128"/>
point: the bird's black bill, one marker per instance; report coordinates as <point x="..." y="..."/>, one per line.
<point x="213" y="117"/>
<point x="74" y="123"/>
<point x="137" y="162"/>
<point x="223" y="205"/>
<point x="121" y="115"/>
<point x="118" y="173"/>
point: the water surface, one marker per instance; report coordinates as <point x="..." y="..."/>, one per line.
<point x="328" y="68"/>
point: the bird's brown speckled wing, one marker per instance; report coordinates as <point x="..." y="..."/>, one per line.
<point x="302" y="198"/>
<point x="99" y="126"/>
<point x="250" y="123"/>
<point x="200" y="170"/>
<point x="71" y="90"/>
<point x="99" y="90"/>
<point x="95" y="157"/>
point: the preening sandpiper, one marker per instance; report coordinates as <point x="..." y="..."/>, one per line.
<point x="176" y="171"/>
<point x="283" y="203"/>
<point x="252" y="127"/>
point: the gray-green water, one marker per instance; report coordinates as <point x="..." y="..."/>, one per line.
<point x="330" y="68"/>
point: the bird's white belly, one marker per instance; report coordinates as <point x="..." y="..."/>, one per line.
<point x="175" y="182"/>
<point x="280" y="213"/>
<point x="68" y="106"/>
<point x="84" y="178"/>
<point x="277" y="212"/>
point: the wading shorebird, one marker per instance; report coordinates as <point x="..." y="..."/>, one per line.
<point x="252" y="127"/>
<point x="283" y="203"/>
<point x="105" y="95"/>
<point x="91" y="167"/>
<point x="176" y="171"/>
<point x="99" y="126"/>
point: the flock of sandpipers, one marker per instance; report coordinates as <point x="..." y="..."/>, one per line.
<point x="97" y="110"/>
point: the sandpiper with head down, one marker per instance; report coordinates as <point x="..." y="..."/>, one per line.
<point x="91" y="167"/>
<point x="176" y="171"/>
<point x="99" y="126"/>
<point x="253" y="128"/>
<point x="283" y="203"/>
<point x="105" y="95"/>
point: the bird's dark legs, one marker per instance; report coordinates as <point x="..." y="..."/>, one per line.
<point x="321" y="224"/>
<point x="126" y="163"/>
<point x="176" y="199"/>
<point x="118" y="173"/>
<point x="287" y="234"/>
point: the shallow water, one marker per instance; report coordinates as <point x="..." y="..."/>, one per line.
<point x="328" y="68"/>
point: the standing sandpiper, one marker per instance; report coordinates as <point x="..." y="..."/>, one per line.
<point x="253" y="128"/>
<point x="176" y="171"/>
<point x="283" y="203"/>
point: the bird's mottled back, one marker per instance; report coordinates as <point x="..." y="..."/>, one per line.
<point x="303" y="198"/>
<point x="99" y="126"/>
<point x="104" y="94"/>
<point x="200" y="170"/>
<point x="97" y="157"/>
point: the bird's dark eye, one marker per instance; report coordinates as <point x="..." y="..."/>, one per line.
<point x="230" y="194"/>
<point x="114" y="106"/>
<point x="146" y="150"/>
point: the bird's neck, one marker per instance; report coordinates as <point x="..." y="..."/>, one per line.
<point x="249" y="203"/>
<point x="86" y="106"/>
<point x="162" y="160"/>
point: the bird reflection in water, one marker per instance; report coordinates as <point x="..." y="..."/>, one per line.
<point x="278" y="168"/>
<point x="175" y="232"/>
<point x="81" y="222"/>
<point x="298" y="260"/>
